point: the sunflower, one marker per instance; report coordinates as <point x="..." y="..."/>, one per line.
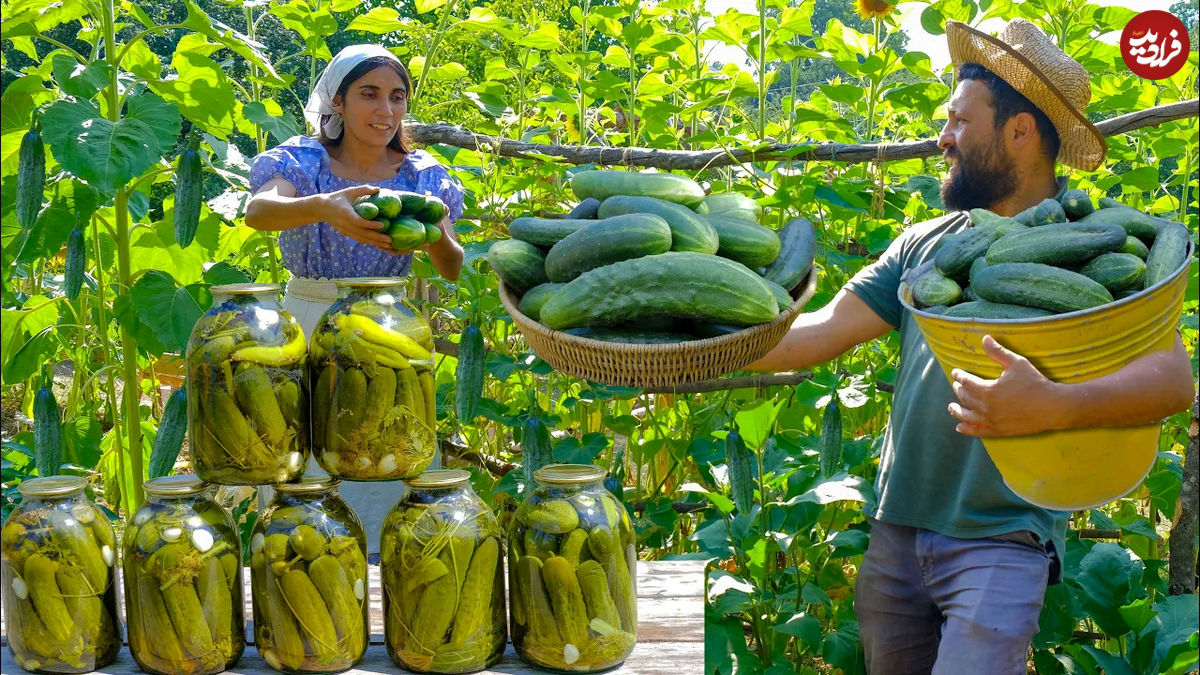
<point x="868" y="9"/>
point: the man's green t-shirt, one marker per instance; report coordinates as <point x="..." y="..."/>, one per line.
<point x="931" y="476"/>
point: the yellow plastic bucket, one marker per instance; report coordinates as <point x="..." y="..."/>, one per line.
<point x="1078" y="468"/>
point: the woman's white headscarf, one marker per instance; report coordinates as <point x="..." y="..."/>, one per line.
<point x="320" y="102"/>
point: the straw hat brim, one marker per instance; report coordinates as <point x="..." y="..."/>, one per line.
<point x="1081" y="143"/>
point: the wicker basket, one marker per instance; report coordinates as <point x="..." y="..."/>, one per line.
<point x="656" y="365"/>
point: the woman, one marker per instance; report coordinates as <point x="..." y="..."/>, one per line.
<point x="305" y="189"/>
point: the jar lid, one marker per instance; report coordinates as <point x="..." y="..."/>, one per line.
<point x="52" y="486"/>
<point x="244" y="289"/>
<point x="567" y="474"/>
<point x="369" y="282"/>
<point x="308" y="483"/>
<point x="440" y="478"/>
<point x="186" y="484"/>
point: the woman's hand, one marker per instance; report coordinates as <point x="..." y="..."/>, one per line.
<point x="340" y="213"/>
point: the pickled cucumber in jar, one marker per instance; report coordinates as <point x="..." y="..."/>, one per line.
<point x="183" y="580"/>
<point x="371" y="369"/>
<point x="443" y="581"/>
<point x="572" y="571"/>
<point x="60" y="596"/>
<point x="308" y="570"/>
<point x="247" y="395"/>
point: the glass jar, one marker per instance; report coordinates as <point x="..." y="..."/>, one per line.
<point x="183" y="581"/>
<point x="246" y="394"/>
<point x="572" y="573"/>
<point x="443" y="582"/>
<point x="372" y="374"/>
<point x="60" y="595"/>
<point x="308" y="571"/>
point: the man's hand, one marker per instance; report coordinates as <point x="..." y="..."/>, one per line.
<point x="1021" y="401"/>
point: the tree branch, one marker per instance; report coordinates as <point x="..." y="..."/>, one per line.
<point x="848" y="153"/>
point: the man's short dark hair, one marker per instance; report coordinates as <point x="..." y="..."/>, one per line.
<point x="1007" y="102"/>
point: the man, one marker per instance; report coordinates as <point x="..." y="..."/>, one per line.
<point x="957" y="567"/>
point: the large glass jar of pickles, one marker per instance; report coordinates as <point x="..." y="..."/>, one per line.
<point x="60" y="593"/>
<point x="183" y="581"/>
<point x="247" y="403"/>
<point x="443" y="584"/>
<point x="308" y="570"/>
<point x="372" y="375"/>
<point x="572" y="570"/>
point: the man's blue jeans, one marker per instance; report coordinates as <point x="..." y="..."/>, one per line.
<point x="928" y="603"/>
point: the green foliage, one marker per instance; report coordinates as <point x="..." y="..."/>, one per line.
<point x="620" y="73"/>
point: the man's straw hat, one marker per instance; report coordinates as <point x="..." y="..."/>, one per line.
<point x="1026" y="59"/>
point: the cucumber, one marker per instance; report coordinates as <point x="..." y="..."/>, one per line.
<point x="959" y="250"/>
<point x="741" y="463"/>
<point x="366" y="209"/>
<point x="798" y="242"/>
<point x="31" y="174"/>
<point x="625" y="336"/>
<point x="983" y="217"/>
<point x="1107" y="203"/>
<point x="1169" y="251"/>
<point x="1044" y="212"/>
<point x="980" y="263"/>
<point x="982" y="309"/>
<point x="734" y="204"/>
<point x="519" y="264"/>
<point x="667" y="186"/>
<point x="169" y="438"/>
<point x="433" y="233"/>
<point x="711" y="330"/>
<point x="74" y="268"/>
<point x="689" y="231"/>
<point x="681" y="284"/>
<point x="432" y="211"/>
<point x="1115" y="271"/>
<point x="744" y="241"/>
<point x="469" y="372"/>
<point x="1134" y="222"/>
<point x="1076" y="204"/>
<point x="47" y="432"/>
<point x="189" y="192"/>
<point x="607" y="241"/>
<point x="1136" y="247"/>
<point x="544" y="231"/>
<point x="782" y="297"/>
<point x="1038" y="285"/>
<point x="931" y="288"/>
<point x="1009" y="226"/>
<point x="388" y="202"/>
<point x="585" y="210"/>
<point x="407" y="233"/>
<point x="1060" y="244"/>
<point x="534" y="298"/>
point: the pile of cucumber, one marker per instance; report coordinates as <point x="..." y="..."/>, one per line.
<point x="649" y="258"/>
<point x="1055" y="257"/>
<point x="411" y="219"/>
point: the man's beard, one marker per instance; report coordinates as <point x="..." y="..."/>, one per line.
<point x="979" y="179"/>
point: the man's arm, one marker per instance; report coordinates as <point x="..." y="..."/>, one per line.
<point x="824" y="335"/>
<point x="1023" y="401"/>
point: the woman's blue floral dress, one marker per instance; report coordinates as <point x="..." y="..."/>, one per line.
<point x="318" y="250"/>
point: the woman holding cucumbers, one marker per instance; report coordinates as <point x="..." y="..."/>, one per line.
<point x="306" y="187"/>
<point x="312" y="190"/>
